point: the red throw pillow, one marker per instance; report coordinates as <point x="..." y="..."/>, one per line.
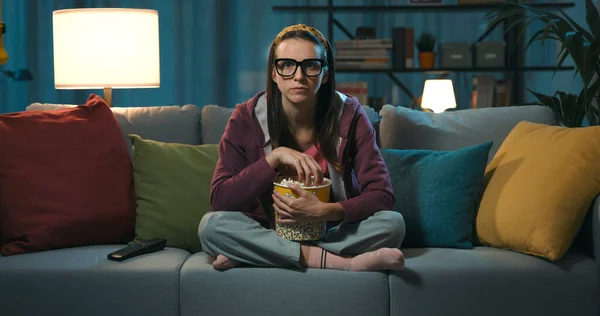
<point x="65" y="179"/>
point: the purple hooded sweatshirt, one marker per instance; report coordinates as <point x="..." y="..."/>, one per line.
<point x="243" y="180"/>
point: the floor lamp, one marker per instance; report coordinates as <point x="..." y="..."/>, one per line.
<point x="106" y="48"/>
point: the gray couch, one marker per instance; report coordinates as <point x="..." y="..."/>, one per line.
<point x="436" y="281"/>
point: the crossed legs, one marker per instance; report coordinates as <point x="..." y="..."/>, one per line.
<point x="372" y="244"/>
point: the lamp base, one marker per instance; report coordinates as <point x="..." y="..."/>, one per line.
<point x="108" y="96"/>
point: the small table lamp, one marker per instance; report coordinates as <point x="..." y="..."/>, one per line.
<point x="438" y="95"/>
<point x="106" y="48"/>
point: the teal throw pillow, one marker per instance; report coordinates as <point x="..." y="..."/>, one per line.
<point x="438" y="192"/>
<point x="172" y="190"/>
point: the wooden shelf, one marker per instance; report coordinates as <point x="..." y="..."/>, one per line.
<point x="448" y="70"/>
<point x="442" y="7"/>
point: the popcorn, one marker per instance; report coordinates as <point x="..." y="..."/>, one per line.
<point x="289" y="181"/>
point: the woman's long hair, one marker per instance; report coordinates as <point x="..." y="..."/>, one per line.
<point x="326" y="125"/>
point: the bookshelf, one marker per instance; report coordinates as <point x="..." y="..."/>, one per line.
<point x="449" y="70"/>
<point x="515" y="52"/>
<point x="418" y="8"/>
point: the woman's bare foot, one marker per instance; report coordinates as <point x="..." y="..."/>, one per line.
<point x="377" y="260"/>
<point x="224" y="263"/>
<point x="381" y="259"/>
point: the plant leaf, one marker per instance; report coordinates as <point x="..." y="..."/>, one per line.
<point x="592" y="19"/>
<point x="564" y="56"/>
<point x="524" y="29"/>
<point x="576" y="26"/>
<point x="575" y="46"/>
<point x="562" y="112"/>
<point x="537" y="36"/>
<point x="587" y="95"/>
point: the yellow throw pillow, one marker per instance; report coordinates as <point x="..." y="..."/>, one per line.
<point x="540" y="185"/>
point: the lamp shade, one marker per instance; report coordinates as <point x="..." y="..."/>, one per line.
<point x="106" y="48"/>
<point x="438" y="95"/>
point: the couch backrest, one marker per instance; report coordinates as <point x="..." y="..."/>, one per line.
<point x="187" y="124"/>
<point x="214" y="120"/>
<point x="403" y="128"/>
<point x="169" y="123"/>
<point x="399" y="127"/>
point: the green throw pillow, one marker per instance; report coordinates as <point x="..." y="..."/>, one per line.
<point x="172" y="190"/>
<point x="437" y="193"/>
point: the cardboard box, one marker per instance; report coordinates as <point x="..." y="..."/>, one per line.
<point x="490" y="54"/>
<point x="455" y="55"/>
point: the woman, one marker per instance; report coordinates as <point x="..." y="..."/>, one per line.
<point x="301" y="126"/>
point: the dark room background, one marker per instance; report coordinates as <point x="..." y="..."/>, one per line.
<point x="215" y="51"/>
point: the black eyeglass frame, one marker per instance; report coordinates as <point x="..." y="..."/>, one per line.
<point x="299" y="64"/>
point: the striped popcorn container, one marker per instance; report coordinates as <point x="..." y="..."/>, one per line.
<point x="306" y="230"/>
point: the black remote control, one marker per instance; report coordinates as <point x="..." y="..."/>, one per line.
<point x="148" y="246"/>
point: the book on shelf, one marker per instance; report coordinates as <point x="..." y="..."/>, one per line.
<point x="503" y="89"/>
<point x="375" y="43"/>
<point x="403" y="47"/>
<point x="361" y="65"/>
<point x="487" y="91"/>
<point x="483" y="91"/>
<point x="385" y="60"/>
<point x="363" y="54"/>
<point x="358" y="89"/>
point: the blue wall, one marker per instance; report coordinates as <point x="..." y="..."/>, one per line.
<point x="215" y="51"/>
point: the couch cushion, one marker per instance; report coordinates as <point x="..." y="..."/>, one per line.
<point x="169" y="123"/>
<point x="48" y="106"/>
<point x="267" y="291"/>
<point x="371" y="114"/>
<point x="403" y="128"/>
<point x="172" y="186"/>
<point x="65" y="179"/>
<point x="437" y="193"/>
<point x="493" y="282"/>
<point x="541" y="184"/>
<point x="214" y="121"/>
<point x="81" y="281"/>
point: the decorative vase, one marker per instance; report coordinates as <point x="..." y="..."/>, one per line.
<point x="426" y="59"/>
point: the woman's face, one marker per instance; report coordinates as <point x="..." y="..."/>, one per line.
<point x="299" y="88"/>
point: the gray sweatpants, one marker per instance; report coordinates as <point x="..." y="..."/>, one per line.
<point x="242" y="239"/>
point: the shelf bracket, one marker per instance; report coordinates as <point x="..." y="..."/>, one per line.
<point x="343" y="29"/>
<point x="488" y="31"/>
<point x="404" y="88"/>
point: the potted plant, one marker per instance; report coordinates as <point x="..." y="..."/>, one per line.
<point x="576" y="42"/>
<point x="426" y="45"/>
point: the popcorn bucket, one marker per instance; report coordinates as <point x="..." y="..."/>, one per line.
<point x="306" y="230"/>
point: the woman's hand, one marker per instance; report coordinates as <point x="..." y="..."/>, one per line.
<point x="306" y="207"/>
<point x="305" y="165"/>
